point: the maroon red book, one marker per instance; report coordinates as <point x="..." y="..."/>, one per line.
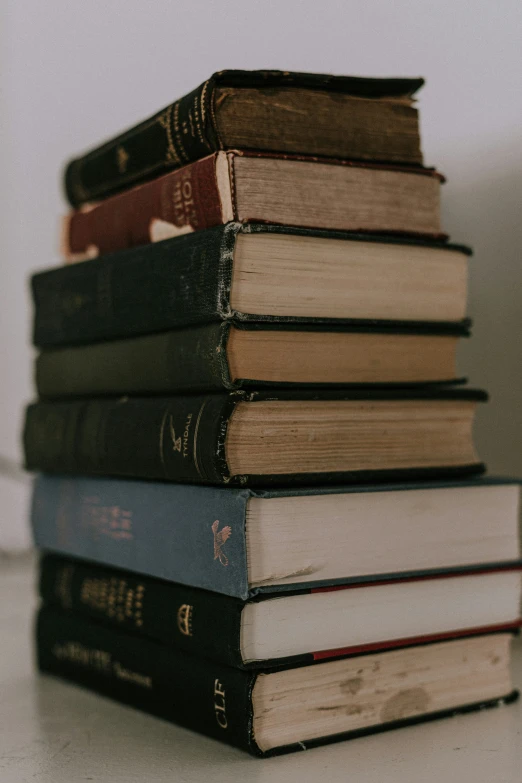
<point x="264" y="188"/>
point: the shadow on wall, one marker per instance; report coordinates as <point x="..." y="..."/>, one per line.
<point x="485" y="210"/>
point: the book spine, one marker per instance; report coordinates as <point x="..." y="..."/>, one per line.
<point x="186" y="360"/>
<point x="204" y="696"/>
<point x="180" y="134"/>
<point x="180" y="202"/>
<point x="180" y="533"/>
<point x="176" y="439"/>
<point x="195" y="621"/>
<point x="167" y="285"/>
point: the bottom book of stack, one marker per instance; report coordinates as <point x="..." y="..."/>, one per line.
<point x="390" y="653"/>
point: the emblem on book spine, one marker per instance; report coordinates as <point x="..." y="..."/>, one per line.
<point x="122" y="158"/>
<point x="185" y="619"/>
<point x="180" y="444"/>
<point x="220" y="537"/>
<point x="176" y="442"/>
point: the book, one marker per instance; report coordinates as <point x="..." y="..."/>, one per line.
<point x="226" y="356"/>
<point x="270" y="711"/>
<point x="306" y="113"/>
<point x="301" y="626"/>
<point x="256" y="273"/>
<point x="246" y="542"/>
<point x="247" y="187"/>
<point x="259" y="437"/>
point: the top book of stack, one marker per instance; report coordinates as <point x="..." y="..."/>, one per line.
<point x="314" y="115"/>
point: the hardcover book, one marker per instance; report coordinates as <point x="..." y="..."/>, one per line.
<point x="301" y="626"/>
<point x="304" y="113"/>
<point x="232" y="356"/>
<point x="260" y="438"/>
<point x="248" y="187"/>
<point x="244" y="542"/>
<point x="252" y="273"/>
<point x="290" y="708"/>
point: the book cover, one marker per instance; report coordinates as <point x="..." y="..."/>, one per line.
<point x="186" y="130"/>
<point x="187" y="438"/>
<point x="210" y="192"/>
<point x="173" y="531"/>
<point x="205" y="623"/>
<point x="176" y="283"/>
<point x="204" y="696"/>
<point x="203" y="358"/>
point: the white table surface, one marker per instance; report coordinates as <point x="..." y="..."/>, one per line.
<point x="53" y="732"/>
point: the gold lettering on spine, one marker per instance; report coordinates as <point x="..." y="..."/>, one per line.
<point x="75" y="652"/>
<point x="176" y="126"/>
<point x="165" y="120"/>
<point x="114" y="598"/>
<point x="143" y="680"/>
<point x="183" y="200"/>
<point x="99" y="660"/>
<point x="219" y="704"/>
<point x="62" y="588"/>
<point x="186" y="435"/>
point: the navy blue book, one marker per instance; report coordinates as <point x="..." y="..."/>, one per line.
<point x="243" y="542"/>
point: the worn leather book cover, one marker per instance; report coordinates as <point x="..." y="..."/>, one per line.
<point x="207" y="193"/>
<point x="187" y="130"/>
<point x="205" y="696"/>
<point x="176" y="283"/>
<point x="201" y="622"/>
<point x="184" y="438"/>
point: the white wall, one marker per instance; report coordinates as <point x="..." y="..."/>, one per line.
<point x="75" y="71"/>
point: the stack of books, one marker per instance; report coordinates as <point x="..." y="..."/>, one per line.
<point x="260" y="509"/>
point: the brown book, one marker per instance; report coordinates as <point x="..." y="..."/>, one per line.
<point x="273" y="111"/>
<point x="250" y="187"/>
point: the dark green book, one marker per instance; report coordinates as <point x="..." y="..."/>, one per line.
<point x="277" y="111"/>
<point x="230" y="356"/>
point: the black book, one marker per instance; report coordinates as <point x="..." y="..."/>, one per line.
<point x="252" y="273"/>
<point x="281" y="111"/>
<point x="258" y="437"/>
<point x="299" y="626"/>
<point x="283" y="709"/>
